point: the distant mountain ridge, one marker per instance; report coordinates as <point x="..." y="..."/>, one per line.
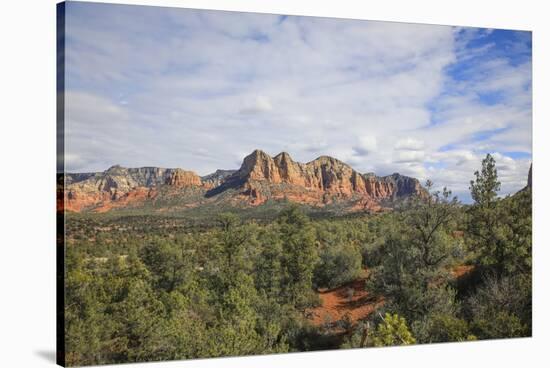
<point x="261" y="178"/>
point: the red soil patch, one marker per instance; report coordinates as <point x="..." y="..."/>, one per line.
<point x="351" y="299"/>
<point x="354" y="300"/>
<point x="458" y="234"/>
<point x="460" y="271"/>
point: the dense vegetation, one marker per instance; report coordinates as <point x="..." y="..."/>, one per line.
<point x="141" y="288"/>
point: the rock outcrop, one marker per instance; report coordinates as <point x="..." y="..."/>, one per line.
<point x="216" y="178"/>
<point x="260" y="178"/>
<point x="126" y="186"/>
<point x="321" y="181"/>
<point x="182" y="178"/>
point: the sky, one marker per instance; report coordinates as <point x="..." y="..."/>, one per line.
<point x="199" y="90"/>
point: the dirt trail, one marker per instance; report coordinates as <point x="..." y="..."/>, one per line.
<point x="349" y="299"/>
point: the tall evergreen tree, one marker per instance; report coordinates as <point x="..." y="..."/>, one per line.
<point x="300" y="255"/>
<point x="499" y="230"/>
<point x="485" y="187"/>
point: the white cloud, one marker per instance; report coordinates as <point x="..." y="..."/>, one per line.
<point x="258" y="105"/>
<point x="409" y="156"/>
<point x="409" y="144"/>
<point x="365" y="145"/>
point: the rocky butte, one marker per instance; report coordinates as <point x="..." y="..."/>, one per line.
<point x="261" y="178"/>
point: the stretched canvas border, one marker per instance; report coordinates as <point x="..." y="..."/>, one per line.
<point x="60" y="184"/>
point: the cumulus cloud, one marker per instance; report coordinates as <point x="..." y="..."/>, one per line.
<point x="152" y="86"/>
<point x="365" y="145"/>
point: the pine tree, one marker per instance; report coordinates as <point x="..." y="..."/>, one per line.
<point x="499" y="230"/>
<point x="300" y="256"/>
<point x="485" y="187"/>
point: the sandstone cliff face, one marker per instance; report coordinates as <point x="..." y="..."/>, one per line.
<point x="216" y="178"/>
<point x="261" y="177"/>
<point x="319" y="181"/>
<point x="182" y="178"/>
<point x="117" y="178"/>
<point x="396" y="185"/>
<point x="124" y="186"/>
<point x="325" y="173"/>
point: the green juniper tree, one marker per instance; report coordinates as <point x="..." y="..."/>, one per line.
<point x="499" y="230"/>
<point x="413" y="274"/>
<point x="299" y="256"/>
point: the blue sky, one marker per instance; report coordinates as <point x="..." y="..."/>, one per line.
<point x="152" y="86"/>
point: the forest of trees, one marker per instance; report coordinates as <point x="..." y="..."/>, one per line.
<point x="140" y="290"/>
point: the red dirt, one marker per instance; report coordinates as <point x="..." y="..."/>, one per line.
<point x="336" y="303"/>
<point x="460" y="271"/>
<point x="458" y="234"/>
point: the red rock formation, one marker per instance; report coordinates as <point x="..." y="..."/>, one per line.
<point x="316" y="182"/>
<point x="321" y="182"/>
<point x="77" y="201"/>
<point x="134" y="197"/>
<point x="119" y="187"/>
<point x="182" y="178"/>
